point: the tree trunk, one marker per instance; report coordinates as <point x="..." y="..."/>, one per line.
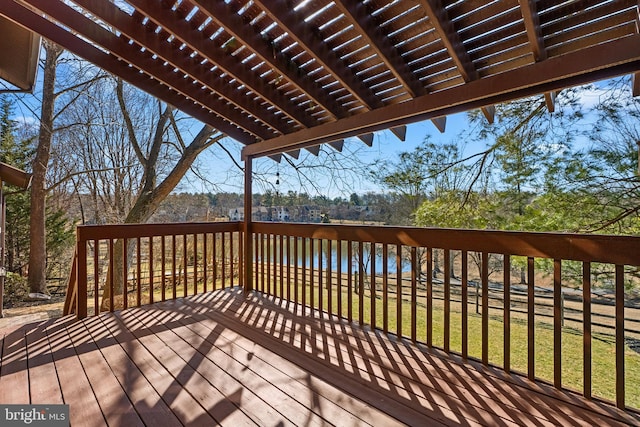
<point x="38" y="241"/>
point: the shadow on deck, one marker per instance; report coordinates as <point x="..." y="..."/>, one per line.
<point x="218" y="358"/>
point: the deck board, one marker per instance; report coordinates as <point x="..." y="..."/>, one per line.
<point x="221" y="358"/>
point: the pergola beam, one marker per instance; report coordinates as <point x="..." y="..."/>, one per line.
<point x="196" y="41"/>
<point x="532" y="25"/>
<point x="229" y="19"/>
<point x="451" y="40"/>
<point x="154" y="67"/>
<point x="294" y="25"/>
<point x="34" y="22"/>
<point x="180" y="59"/>
<point x="379" y="42"/>
<point x="572" y="69"/>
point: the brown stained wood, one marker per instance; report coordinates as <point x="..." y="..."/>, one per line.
<point x="531" y="319"/>
<point x="620" y="344"/>
<point x="173" y="266"/>
<point x="373" y="287"/>
<point x="566" y="246"/>
<point x="465" y="304"/>
<point x="196" y="353"/>
<point x="507" y="311"/>
<point x="74" y="384"/>
<point x="13" y="372"/>
<point x="447" y="301"/>
<point x="340" y="335"/>
<point x="163" y="267"/>
<point x="151" y="272"/>
<point x="557" y="323"/>
<point x="113" y="401"/>
<point x="414" y="296"/>
<point x="485" y="307"/>
<point x="361" y="274"/>
<point x="224" y="409"/>
<point x="429" y="303"/>
<point x="399" y="291"/>
<point x="385" y="288"/>
<point x="349" y="281"/>
<point x="125" y="274"/>
<point x="339" y="274"/>
<point x="320" y="284"/>
<point x="96" y="275"/>
<point x="586" y="325"/>
<point x="139" y="272"/>
<point x="41" y="367"/>
<point x="195" y="264"/>
<point x="125" y="345"/>
<point x="229" y="374"/>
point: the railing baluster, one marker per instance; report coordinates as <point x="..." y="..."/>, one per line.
<point x="399" y="291"/>
<point x="531" y="319"/>
<point x="185" y="265"/>
<point x="304" y="276"/>
<point x="465" y="304"/>
<point x="429" y="297"/>
<point x="339" y="274"/>
<point x="125" y="274"/>
<point x="328" y="280"/>
<point x="240" y="252"/>
<point x="173" y="266"/>
<point x="205" y="263"/>
<point x="447" y="300"/>
<point x="288" y="252"/>
<point x="414" y="294"/>
<point x="231" y="272"/>
<point x="361" y="274"/>
<point x="163" y="268"/>
<point x="110" y="276"/>
<point x="620" y="386"/>
<point x="485" y="308"/>
<point x="586" y="326"/>
<point x="195" y="263"/>
<point x="150" y="270"/>
<point x="311" y="278"/>
<point x="281" y="262"/>
<point x="350" y="281"/>
<point x="96" y="278"/>
<point x="269" y="263"/>
<point x="320" y="281"/>
<point x="385" y="288"/>
<point x="81" y="279"/>
<point x="507" y="311"/>
<point x="224" y="259"/>
<point x="557" y="323"/>
<point x="372" y="286"/>
<point x="296" y="276"/>
<point x="138" y="273"/>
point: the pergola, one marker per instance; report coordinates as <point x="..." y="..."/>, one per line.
<point x="280" y="77"/>
<point x="283" y="76"/>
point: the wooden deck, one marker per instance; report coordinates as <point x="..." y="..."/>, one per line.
<point x="218" y="358"/>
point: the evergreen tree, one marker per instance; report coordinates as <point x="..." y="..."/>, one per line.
<point x="17" y="154"/>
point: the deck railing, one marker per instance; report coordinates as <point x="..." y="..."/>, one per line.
<point x="551" y="307"/>
<point x="163" y="261"/>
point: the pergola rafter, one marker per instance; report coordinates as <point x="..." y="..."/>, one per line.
<point x="280" y="77"/>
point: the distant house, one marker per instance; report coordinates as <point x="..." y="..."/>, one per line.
<point x="236" y="214"/>
<point x="259" y="213"/>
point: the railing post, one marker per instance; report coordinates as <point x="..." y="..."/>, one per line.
<point x="81" y="279"/>
<point x="248" y="233"/>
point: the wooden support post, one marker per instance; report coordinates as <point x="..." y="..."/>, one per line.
<point x="2" y="250"/>
<point x="248" y="237"/>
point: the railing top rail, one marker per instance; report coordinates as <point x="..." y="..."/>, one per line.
<point x="119" y="231"/>
<point x="622" y="250"/>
